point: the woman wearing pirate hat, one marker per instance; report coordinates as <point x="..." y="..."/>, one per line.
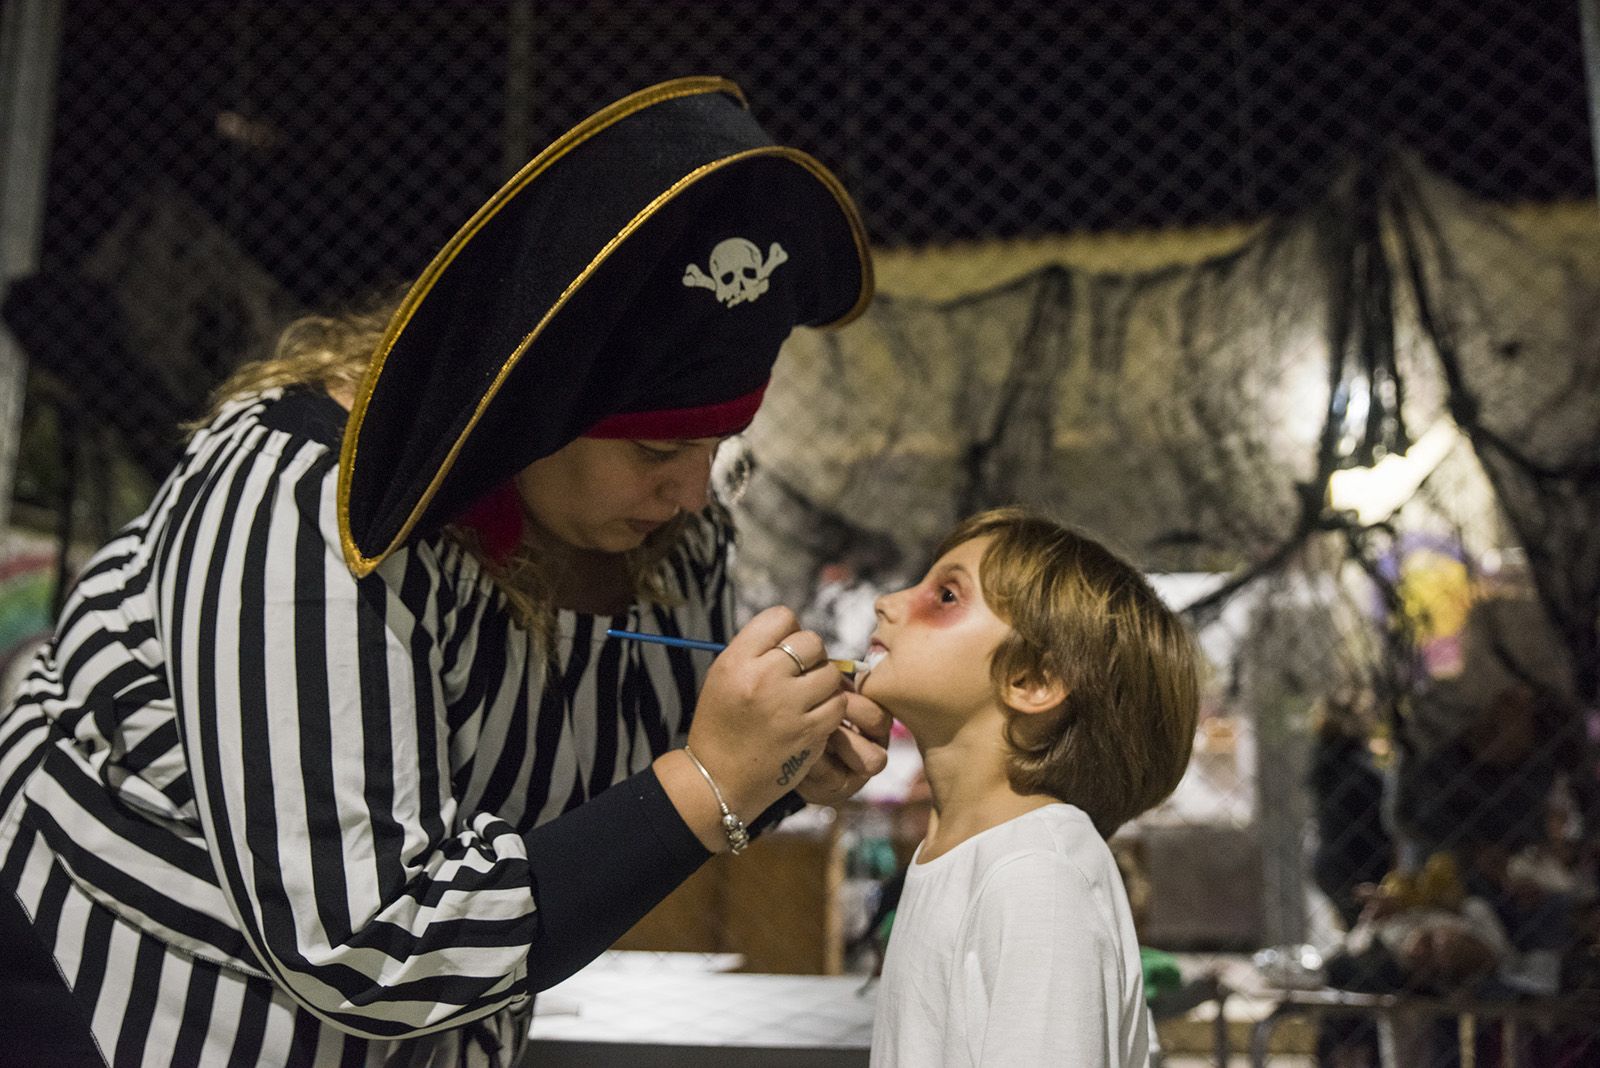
<point x="331" y="760"/>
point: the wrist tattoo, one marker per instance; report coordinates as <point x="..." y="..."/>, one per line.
<point x="792" y="765"/>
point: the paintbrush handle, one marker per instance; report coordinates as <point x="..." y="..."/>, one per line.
<point x="663" y="639"/>
<point x="848" y="668"/>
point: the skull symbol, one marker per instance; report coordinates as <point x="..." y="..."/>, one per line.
<point x="738" y="273"/>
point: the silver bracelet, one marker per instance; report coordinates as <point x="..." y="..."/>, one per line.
<point x="732" y="825"/>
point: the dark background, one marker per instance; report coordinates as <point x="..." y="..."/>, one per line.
<point x="340" y="143"/>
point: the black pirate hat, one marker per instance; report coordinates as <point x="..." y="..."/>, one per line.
<point x="636" y="279"/>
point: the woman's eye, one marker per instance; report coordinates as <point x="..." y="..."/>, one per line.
<point x="947" y="595"/>
<point x="653" y="453"/>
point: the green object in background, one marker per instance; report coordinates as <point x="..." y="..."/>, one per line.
<point x="26" y="583"/>
<point x="1161" y="975"/>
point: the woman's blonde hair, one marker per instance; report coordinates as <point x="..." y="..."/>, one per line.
<point x="331" y="352"/>
<point x="1083" y="618"/>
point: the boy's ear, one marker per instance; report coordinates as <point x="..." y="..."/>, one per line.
<point x="1033" y="695"/>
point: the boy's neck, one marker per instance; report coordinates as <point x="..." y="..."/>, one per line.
<point x="971" y="793"/>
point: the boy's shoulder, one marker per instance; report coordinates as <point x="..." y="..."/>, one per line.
<point x="1057" y="836"/>
<point x="1056" y="825"/>
<point x="1048" y="877"/>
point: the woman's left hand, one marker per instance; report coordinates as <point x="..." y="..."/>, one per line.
<point x="855" y="753"/>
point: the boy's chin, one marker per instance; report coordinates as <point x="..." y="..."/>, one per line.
<point x="880" y="692"/>
<point x="901" y="706"/>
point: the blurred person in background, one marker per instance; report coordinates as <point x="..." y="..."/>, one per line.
<point x="1353" y="844"/>
<point x="1354" y="848"/>
<point x="1487" y="784"/>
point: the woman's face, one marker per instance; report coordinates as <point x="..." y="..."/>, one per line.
<point x="608" y="494"/>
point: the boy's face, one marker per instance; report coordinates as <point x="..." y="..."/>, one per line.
<point x="934" y="641"/>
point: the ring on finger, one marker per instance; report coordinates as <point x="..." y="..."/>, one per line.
<point x="800" y="665"/>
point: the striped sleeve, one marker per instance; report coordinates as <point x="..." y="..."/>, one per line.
<point x="313" y="721"/>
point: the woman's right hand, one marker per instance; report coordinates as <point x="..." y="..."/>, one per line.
<point x="760" y="723"/>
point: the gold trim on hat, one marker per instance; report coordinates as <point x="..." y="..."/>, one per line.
<point x="361" y="565"/>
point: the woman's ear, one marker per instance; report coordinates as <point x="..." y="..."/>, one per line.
<point x="1033" y="695"/>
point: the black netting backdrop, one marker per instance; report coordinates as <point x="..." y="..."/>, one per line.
<point x="1294" y="304"/>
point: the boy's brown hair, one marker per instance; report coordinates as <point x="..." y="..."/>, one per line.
<point x="1081" y="616"/>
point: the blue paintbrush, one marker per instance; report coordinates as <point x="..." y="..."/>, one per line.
<point x="849" y="668"/>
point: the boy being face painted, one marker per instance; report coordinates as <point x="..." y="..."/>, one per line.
<point x="1042" y="637"/>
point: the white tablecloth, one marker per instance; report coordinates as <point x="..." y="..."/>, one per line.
<point x="628" y="1010"/>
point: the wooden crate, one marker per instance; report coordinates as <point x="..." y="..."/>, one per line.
<point x="776" y="904"/>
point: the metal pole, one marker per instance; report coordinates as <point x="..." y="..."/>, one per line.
<point x="1589" y="12"/>
<point x="517" y="139"/>
<point x="30" y="38"/>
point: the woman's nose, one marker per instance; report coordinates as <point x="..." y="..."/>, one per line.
<point x="688" y="485"/>
<point x="693" y="495"/>
<point x="887" y="606"/>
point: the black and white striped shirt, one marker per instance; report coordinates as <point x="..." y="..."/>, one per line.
<point x="265" y="813"/>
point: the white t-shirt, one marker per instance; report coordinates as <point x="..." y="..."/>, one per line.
<point x="1015" y="949"/>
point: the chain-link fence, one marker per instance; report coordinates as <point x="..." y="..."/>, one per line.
<point x="1293" y="303"/>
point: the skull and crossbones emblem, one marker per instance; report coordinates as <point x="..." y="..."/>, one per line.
<point x="738" y="273"/>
